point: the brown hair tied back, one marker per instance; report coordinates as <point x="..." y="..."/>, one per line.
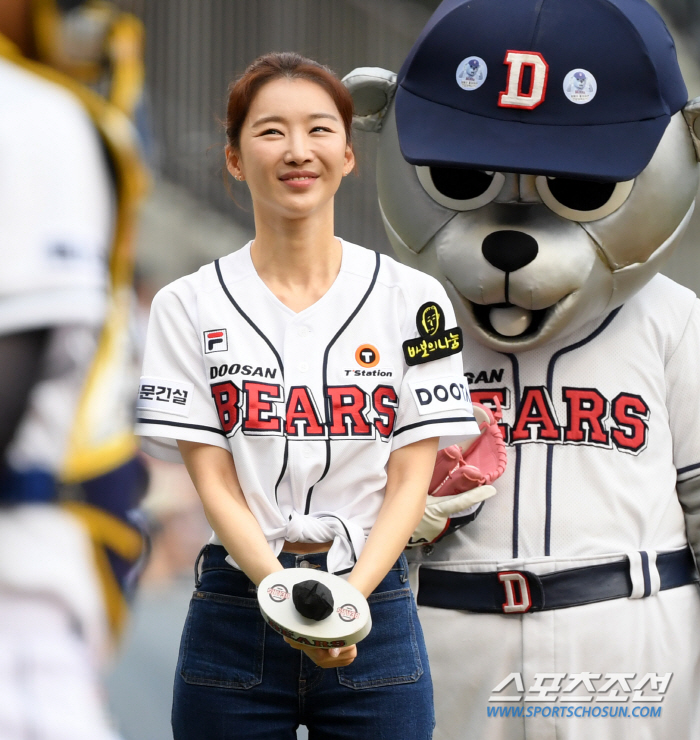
<point x="274" y="66"/>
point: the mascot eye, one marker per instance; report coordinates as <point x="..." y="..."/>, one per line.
<point x="582" y="200"/>
<point x="460" y="189"/>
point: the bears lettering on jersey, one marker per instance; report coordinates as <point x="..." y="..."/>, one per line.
<point x="591" y="419"/>
<point x="352" y="412"/>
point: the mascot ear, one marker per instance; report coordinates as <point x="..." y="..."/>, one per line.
<point x="692" y="116"/>
<point x="372" y="90"/>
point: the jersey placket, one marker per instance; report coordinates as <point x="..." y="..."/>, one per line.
<point x="302" y="355"/>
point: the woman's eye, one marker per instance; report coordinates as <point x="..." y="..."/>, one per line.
<point x="323" y="129"/>
<point x="582" y="200"/>
<point x="268" y="131"/>
<point x="460" y="189"/>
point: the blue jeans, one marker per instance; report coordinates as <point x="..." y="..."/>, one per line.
<point x="236" y="678"/>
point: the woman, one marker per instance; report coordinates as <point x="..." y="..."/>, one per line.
<point x="280" y="372"/>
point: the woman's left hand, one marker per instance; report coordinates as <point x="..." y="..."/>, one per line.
<point x="327" y="658"/>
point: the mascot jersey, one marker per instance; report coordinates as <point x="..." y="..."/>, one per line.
<point x="310" y="404"/>
<point x="611" y="408"/>
<point x="601" y="426"/>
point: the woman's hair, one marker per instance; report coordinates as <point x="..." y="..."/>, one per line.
<point x="273" y="66"/>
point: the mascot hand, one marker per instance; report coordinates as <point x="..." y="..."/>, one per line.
<point x="439" y="511"/>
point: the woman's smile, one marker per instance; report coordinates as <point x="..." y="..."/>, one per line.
<point x="299" y="179"/>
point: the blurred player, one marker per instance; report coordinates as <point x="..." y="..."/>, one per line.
<point x="70" y="183"/>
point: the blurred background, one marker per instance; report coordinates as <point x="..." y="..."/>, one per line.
<point x="193" y="49"/>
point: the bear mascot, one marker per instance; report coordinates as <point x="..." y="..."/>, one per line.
<point x="540" y="158"/>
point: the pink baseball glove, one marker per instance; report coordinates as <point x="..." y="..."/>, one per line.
<point x="477" y="462"/>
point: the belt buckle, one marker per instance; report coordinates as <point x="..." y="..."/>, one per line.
<point x="516" y="586"/>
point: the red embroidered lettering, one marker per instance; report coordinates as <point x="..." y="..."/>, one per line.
<point x="302" y="416"/>
<point x="631" y="415"/>
<point x="259" y="416"/>
<point x="385" y="402"/>
<point x="536" y="410"/>
<point x="227" y="404"/>
<point x="587" y="411"/>
<point x="348" y="409"/>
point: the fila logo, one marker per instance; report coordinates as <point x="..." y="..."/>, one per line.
<point x="514" y="96"/>
<point x="215" y="340"/>
<point x="514" y="605"/>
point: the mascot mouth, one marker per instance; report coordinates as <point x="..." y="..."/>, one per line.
<point x="507" y="319"/>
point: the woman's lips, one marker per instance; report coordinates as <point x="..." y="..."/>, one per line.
<point x="299" y="179"/>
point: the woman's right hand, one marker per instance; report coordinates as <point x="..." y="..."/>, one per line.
<point x="327" y="658"/>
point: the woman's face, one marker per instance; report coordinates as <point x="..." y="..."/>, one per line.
<point x="293" y="150"/>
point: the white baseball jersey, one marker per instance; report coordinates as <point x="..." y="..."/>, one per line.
<point x="600" y="427"/>
<point x="55" y="207"/>
<point x="310" y="404"/>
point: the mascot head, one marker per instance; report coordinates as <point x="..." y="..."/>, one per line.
<point x="539" y="157"/>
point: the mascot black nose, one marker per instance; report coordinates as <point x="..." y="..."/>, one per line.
<point x="509" y="250"/>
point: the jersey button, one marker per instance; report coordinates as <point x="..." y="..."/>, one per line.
<point x="303" y="366"/>
<point x="303" y="331"/>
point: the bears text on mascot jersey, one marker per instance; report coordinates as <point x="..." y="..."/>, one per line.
<point x="539" y="157"/>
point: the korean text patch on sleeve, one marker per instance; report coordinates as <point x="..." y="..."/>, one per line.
<point x="168" y="396"/>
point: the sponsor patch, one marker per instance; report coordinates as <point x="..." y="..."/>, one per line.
<point x="367" y="356"/>
<point x="441" y="394"/>
<point x="471" y="73"/>
<point x="168" y="396"/>
<point x="580" y="86"/>
<point x="215" y="340"/>
<point x="434" y="341"/>
<point x="377" y="372"/>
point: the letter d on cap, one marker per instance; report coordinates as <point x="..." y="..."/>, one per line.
<point x="514" y="97"/>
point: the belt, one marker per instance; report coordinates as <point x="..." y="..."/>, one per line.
<point x="520" y="591"/>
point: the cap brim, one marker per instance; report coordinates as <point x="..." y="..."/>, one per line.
<point x="441" y="136"/>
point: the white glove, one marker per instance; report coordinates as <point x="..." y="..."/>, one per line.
<point x="440" y="509"/>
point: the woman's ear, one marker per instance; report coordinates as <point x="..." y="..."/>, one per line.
<point x="349" y="160"/>
<point x="233" y="163"/>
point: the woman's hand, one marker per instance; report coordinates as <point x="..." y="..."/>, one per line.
<point x="327" y="658"/>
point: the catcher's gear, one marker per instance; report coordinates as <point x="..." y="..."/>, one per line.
<point x="461" y="470"/>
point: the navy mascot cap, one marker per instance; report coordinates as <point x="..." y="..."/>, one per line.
<point x="577" y="88"/>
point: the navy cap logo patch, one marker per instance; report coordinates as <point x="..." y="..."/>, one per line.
<point x="472" y="73"/>
<point x="514" y="96"/>
<point x="580" y="86"/>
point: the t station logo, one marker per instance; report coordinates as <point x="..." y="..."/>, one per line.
<point x="367" y="356"/>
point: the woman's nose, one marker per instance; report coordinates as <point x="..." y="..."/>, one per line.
<point x="299" y="150"/>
